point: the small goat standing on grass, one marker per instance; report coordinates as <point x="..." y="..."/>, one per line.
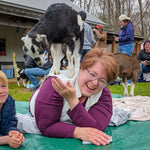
<point x="129" y="69"/>
<point x="21" y="74"/>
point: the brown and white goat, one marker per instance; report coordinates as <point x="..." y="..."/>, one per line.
<point x="129" y="69"/>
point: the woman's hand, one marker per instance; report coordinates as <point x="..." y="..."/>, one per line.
<point x="67" y="91"/>
<point x="92" y="135"/>
<point x="144" y="62"/>
<point x="16" y="139"/>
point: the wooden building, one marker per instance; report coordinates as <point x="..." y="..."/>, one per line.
<point x="17" y="17"/>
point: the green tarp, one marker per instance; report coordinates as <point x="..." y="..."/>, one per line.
<point x="134" y="135"/>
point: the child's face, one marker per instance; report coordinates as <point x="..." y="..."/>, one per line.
<point x="3" y="92"/>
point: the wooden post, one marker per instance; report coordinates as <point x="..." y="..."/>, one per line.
<point x="113" y="46"/>
<point x="15" y="64"/>
<point x="137" y="49"/>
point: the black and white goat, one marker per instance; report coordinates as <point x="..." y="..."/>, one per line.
<point x="22" y="75"/>
<point x="58" y="26"/>
<point x="129" y="69"/>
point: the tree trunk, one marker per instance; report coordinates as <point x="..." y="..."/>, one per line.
<point x="141" y="16"/>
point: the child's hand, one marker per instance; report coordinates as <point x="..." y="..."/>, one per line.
<point x="13" y="142"/>
<point x="11" y="133"/>
<point x="19" y="136"/>
<point x="16" y="139"/>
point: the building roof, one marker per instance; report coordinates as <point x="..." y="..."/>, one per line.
<point x="34" y="9"/>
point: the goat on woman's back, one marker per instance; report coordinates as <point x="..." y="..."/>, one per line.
<point x="58" y="26"/>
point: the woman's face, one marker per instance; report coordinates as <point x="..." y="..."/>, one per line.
<point x="92" y="80"/>
<point x="147" y="47"/>
<point x="3" y="92"/>
<point x="122" y="23"/>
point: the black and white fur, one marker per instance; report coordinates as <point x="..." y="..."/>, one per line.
<point x="21" y="74"/>
<point x="59" y="25"/>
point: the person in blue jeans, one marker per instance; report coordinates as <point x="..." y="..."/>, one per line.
<point x="126" y="35"/>
<point x="89" y="40"/>
<point x="143" y="58"/>
<point x="40" y="71"/>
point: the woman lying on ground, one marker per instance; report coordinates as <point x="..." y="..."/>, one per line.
<point x="81" y="107"/>
<point x="9" y="134"/>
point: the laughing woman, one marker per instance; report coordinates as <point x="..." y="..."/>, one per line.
<point x="80" y="107"/>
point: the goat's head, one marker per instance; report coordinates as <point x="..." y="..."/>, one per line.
<point x="35" y="46"/>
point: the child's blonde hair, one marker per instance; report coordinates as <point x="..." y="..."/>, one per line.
<point x="3" y="78"/>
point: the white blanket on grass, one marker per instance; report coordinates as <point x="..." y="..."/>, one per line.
<point x="139" y="105"/>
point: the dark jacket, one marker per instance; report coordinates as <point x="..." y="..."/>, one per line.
<point x="47" y="65"/>
<point x="8" y="119"/>
<point x="29" y="63"/>
<point x="142" y="56"/>
<point x="126" y="35"/>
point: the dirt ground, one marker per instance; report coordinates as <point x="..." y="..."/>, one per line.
<point x="23" y="90"/>
<point x="13" y="81"/>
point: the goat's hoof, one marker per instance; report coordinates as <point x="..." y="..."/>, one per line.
<point x="52" y="71"/>
<point x="126" y="95"/>
<point x="71" y="74"/>
<point x="57" y="73"/>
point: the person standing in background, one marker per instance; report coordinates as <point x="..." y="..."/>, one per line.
<point x="126" y="35"/>
<point x="100" y="36"/>
<point x="89" y="40"/>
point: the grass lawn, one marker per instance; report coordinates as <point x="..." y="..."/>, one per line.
<point x="19" y="93"/>
<point x="141" y="88"/>
<point x="24" y="94"/>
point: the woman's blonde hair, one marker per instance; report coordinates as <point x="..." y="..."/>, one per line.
<point x="106" y="58"/>
<point x="3" y="78"/>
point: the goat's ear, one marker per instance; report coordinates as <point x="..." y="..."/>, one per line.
<point x="23" y="39"/>
<point x="41" y="37"/>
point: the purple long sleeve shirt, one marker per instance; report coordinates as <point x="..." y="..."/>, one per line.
<point x="48" y="108"/>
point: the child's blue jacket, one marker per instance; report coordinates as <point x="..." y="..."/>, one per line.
<point x="8" y="120"/>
